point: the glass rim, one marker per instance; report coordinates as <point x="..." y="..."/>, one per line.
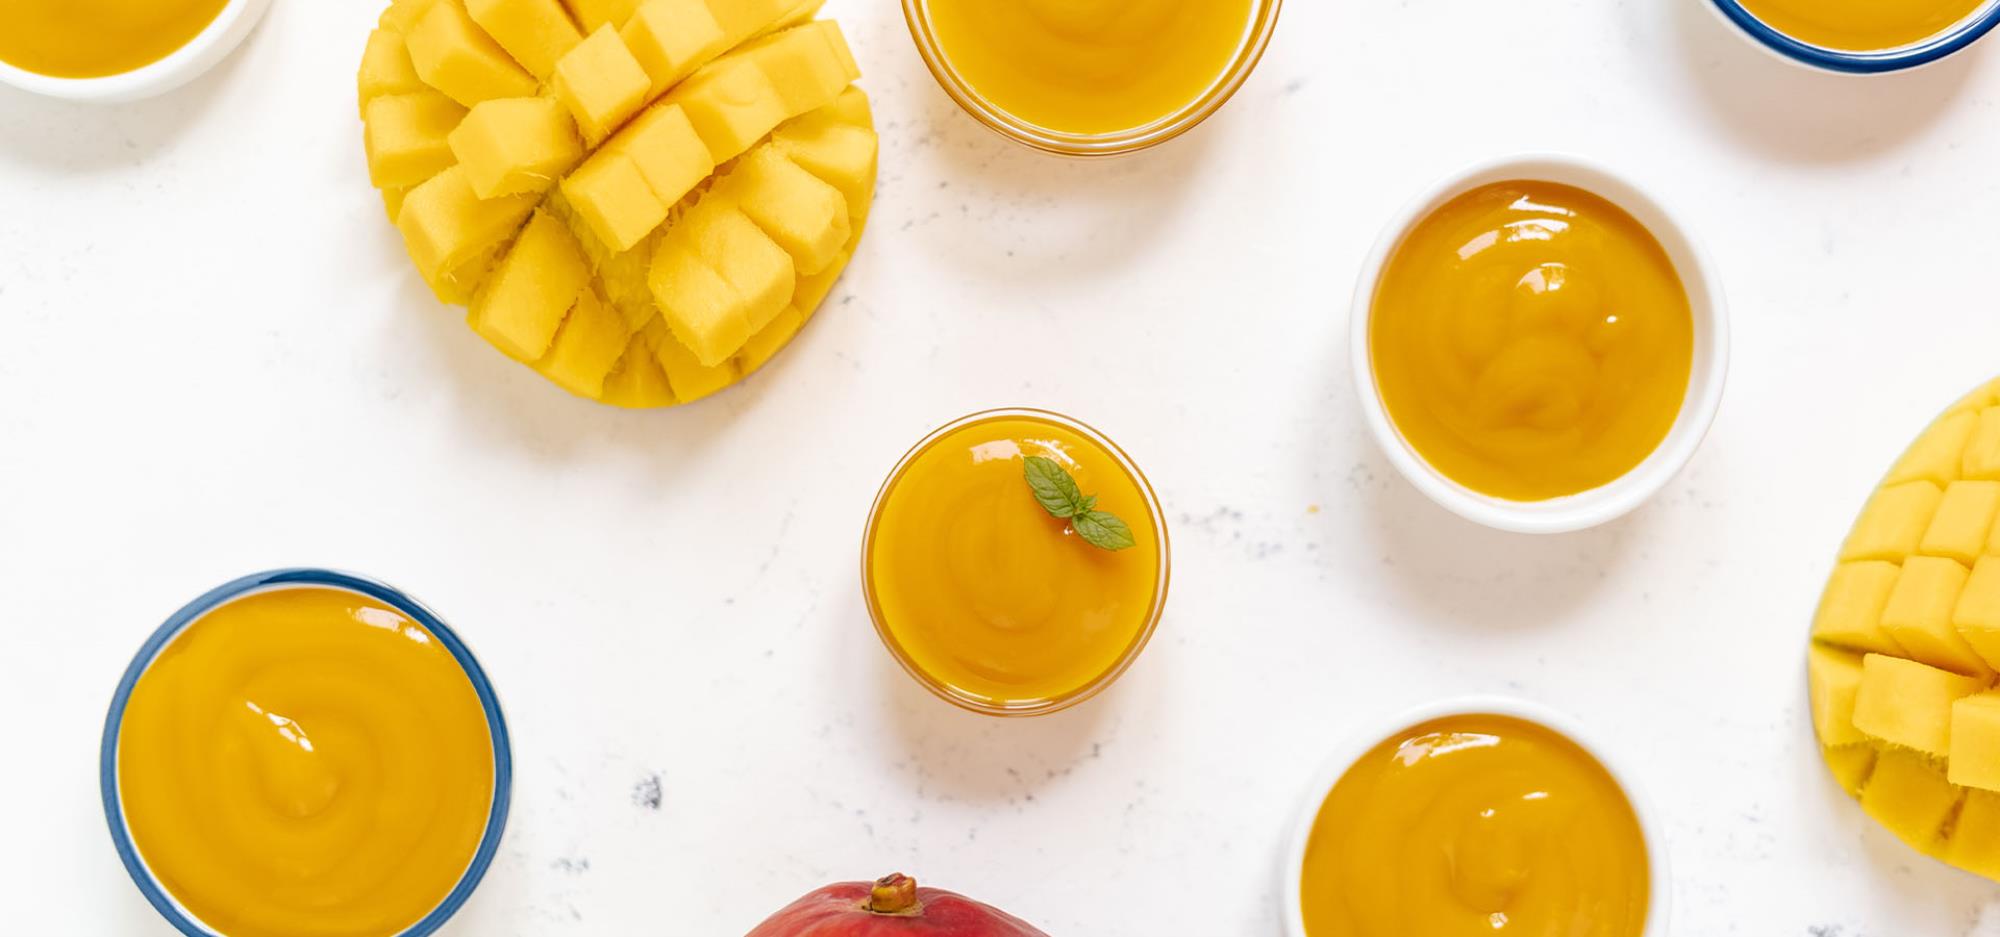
<point x="1257" y="38"/>
<point x="1035" y="707"/>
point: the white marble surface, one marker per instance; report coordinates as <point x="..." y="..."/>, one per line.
<point x="218" y="360"/>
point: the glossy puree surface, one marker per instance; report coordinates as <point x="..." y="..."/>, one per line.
<point x="1090" y="66"/>
<point x="94" y="38"/>
<point x="1531" y="340"/>
<point x="987" y="594"/>
<point x="1861" y="25"/>
<point x="1476" y="825"/>
<point x="306" y="761"/>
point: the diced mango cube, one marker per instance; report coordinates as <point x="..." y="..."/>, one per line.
<point x="755" y="266"/>
<point x="596" y="14"/>
<point x="523" y="302"/>
<point x="1850" y="765"/>
<point x="705" y="312"/>
<point x="1974" y="757"/>
<point x="586" y="348"/>
<point x="612" y="197"/>
<point x="601" y="84"/>
<point x="761" y="347"/>
<point x="1908" y="704"/>
<point x="799" y="12"/>
<point x="514" y="145"/>
<point x="1909" y="795"/>
<point x="1850" y="611"/>
<point x="805" y="216"/>
<point x="1833" y="677"/>
<point x="456" y="285"/>
<point x="809" y="65"/>
<point x="1964" y="519"/>
<point x="385" y="68"/>
<point x="1918" y="615"/>
<point x="662" y="143"/>
<point x="444" y="224"/>
<point x="743" y="19"/>
<point x="1975" y="839"/>
<point x="732" y="105"/>
<point x="536" y="33"/>
<point x="407" y="137"/>
<point x="455" y="56"/>
<point x="392" y="200"/>
<point x="1936" y="455"/>
<point x="812" y="290"/>
<point x="403" y="15"/>
<point x="672" y="38"/>
<point x="852" y="109"/>
<point x="690" y="379"/>
<point x="1982" y="450"/>
<point x="1977" y="616"/>
<point x="1892" y="524"/>
<point x="637" y="381"/>
<point x="843" y="156"/>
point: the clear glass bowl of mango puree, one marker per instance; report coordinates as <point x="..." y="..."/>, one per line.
<point x="1015" y="562"/>
<point x="1862" y="36"/>
<point x="305" y="752"/>
<point x="1091" y="77"/>
<point x="1474" y="816"/>
<point x="1537" y="345"/>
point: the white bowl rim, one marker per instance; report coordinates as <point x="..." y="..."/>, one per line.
<point x="1608" y="502"/>
<point x="1349" y="750"/>
<point x="208" y="47"/>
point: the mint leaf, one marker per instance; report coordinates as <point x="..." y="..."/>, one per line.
<point x="1054" y="489"/>
<point x="1103" y="530"/>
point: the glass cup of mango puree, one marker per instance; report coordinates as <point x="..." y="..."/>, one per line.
<point x="1477" y="815"/>
<point x="305" y="752"/>
<point x="1091" y="77"/>
<point x="1537" y="345"/>
<point x="986" y="597"/>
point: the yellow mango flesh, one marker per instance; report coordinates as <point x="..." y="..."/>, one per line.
<point x="407" y="137"/>
<point x="452" y="54"/>
<point x="601" y="83"/>
<point x="522" y="303"/>
<point x="535" y="33"/>
<point x="513" y="145"/>
<point x="386" y="68"/>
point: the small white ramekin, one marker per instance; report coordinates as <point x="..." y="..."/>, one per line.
<point x="1704" y="394"/>
<point x="183" y="65"/>
<point x="1343" y="757"/>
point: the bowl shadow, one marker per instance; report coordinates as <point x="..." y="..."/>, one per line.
<point x="81" y="137"/>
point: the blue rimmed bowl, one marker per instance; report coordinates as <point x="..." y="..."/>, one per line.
<point x="496" y="724"/>
<point x="1876" y="62"/>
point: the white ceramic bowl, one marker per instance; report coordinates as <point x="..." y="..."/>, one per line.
<point x="1344" y="755"/>
<point x="1951" y="41"/>
<point x="1711" y="353"/>
<point x="183" y="65"/>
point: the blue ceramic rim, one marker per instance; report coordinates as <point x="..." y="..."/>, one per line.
<point x="1863" y="63"/>
<point x="496" y="725"/>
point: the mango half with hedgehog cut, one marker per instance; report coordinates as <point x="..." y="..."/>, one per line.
<point x="643" y="200"/>
<point x="1905" y="646"/>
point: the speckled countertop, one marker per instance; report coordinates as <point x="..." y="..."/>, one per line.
<point x="218" y="360"/>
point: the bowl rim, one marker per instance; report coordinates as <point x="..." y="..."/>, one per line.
<point x="1263" y="24"/>
<point x="1154" y="612"/>
<point x="1356" y="743"/>
<point x="1948" y="42"/>
<point x="214" y="43"/>
<point x="295" y="577"/>
<point x="1709" y="372"/>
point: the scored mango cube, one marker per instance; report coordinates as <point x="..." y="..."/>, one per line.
<point x="1977" y="615"/>
<point x="1982" y="449"/>
<point x="522" y="304"/>
<point x="744" y="19"/>
<point x="1918" y="616"/>
<point x="755" y="266"/>
<point x="595" y="14"/>
<point x="1909" y="795"/>
<point x="1964" y="519"/>
<point x="672" y="38"/>
<point x="761" y="347"/>
<point x="1892" y="524"/>
<point x="1850" y="765"/>
<point x="809" y="65"/>
<point x="805" y="216"/>
<point x="586" y="348"/>
<point x="385" y="68"/>
<point x="840" y="154"/>
<point x="613" y="199"/>
<point x="1974" y="756"/>
<point x="704" y="311"/>
<point x="1850" y="611"/>
<point x="514" y="145"/>
<point x="535" y="33"/>
<point x="1936" y="455"/>
<point x="813" y="290"/>
<point x="403" y="15"/>
<point x="1834" y="677"/>
<point x="1908" y="704"/>
<point x="601" y="84"/>
<point x="663" y="144"/>
<point x="445" y="224"/>
<point x="636" y="381"/>
<point x="452" y="54"/>
<point x="407" y="137"/>
<point x="1975" y="839"/>
<point x="732" y="105"/>
<point x="690" y="379"/>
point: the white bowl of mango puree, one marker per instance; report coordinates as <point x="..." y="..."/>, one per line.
<point x="118" y="50"/>
<point x="1475" y="816"/>
<point x="305" y="753"/>
<point x="1537" y="344"/>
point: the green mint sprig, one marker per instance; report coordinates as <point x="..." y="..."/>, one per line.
<point x="1058" y="494"/>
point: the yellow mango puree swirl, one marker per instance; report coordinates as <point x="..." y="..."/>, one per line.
<point x="986" y="593"/>
<point x="95" y="38"/>
<point x="1090" y="66"/>
<point x="1531" y="340"/>
<point x="306" y="762"/>
<point x="1476" y="826"/>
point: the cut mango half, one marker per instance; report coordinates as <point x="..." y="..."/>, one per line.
<point x="1906" y="643"/>
<point x="643" y="200"/>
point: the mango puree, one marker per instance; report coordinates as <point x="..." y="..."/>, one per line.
<point x="1476" y="825"/>
<point x="306" y="762"/>
<point x="95" y="38"/>
<point x="1531" y="340"/>
<point x="1861" y="25"/>
<point x="983" y="591"/>
<point x="1090" y="66"/>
